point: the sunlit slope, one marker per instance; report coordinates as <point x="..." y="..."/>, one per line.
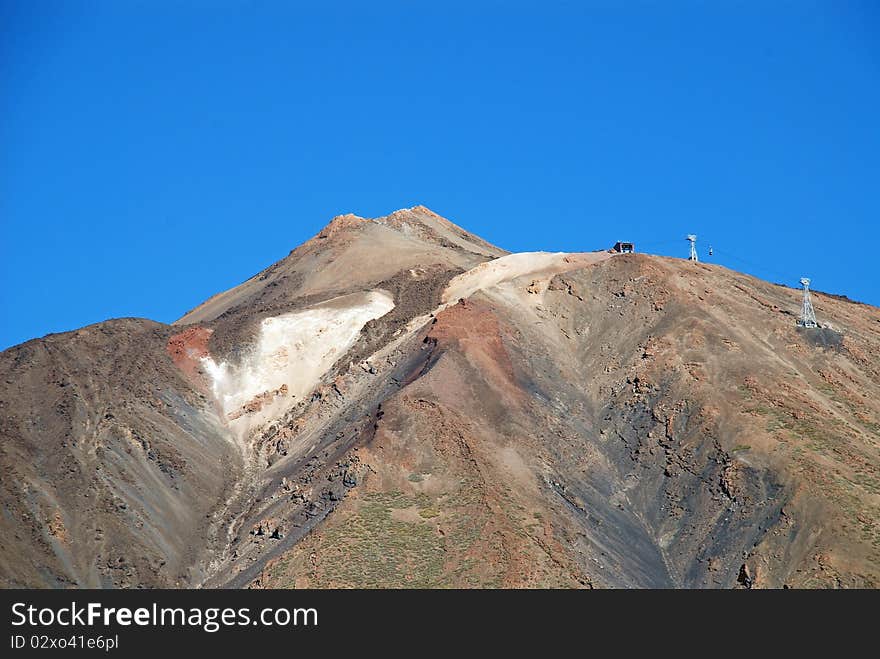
<point x="399" y="403"/>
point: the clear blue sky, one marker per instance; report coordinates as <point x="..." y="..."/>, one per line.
<point x="154" y="153"/>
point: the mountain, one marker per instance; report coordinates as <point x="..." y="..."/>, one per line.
<point x="399" y="403"/>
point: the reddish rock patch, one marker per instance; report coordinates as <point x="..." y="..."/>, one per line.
<point x="474" y="329"/>
<point x="257" y="402"/>
<point x="57" y="529"/>
<point x="187" y="349"/>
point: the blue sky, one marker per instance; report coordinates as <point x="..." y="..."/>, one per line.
<point x="155" y="153"/>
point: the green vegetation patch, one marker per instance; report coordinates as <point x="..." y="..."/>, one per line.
<point x="377" y="547"/>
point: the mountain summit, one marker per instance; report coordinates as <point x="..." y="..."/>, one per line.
<point x="398" y="403"/>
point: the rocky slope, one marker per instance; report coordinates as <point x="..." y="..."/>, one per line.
<point x="399" y="403"/>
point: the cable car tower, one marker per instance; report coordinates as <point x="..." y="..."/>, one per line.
<point x="692" y="239"/>
<point x="808" y="316"/>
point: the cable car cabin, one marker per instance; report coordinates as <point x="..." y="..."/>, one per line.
<point x="624" y="248"/>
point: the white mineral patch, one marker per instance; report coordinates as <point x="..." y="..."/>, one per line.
<point x="295" y="350"/>
<point x="540" y="264"/>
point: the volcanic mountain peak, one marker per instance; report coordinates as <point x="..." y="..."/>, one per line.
<point x="340" y="223"/>
<point x="419" y="223"/>
<point x="471" y="417"/>
<point x="351" y="254"/>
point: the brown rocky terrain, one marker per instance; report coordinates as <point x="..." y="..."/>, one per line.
<point x="400" y="404"/>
